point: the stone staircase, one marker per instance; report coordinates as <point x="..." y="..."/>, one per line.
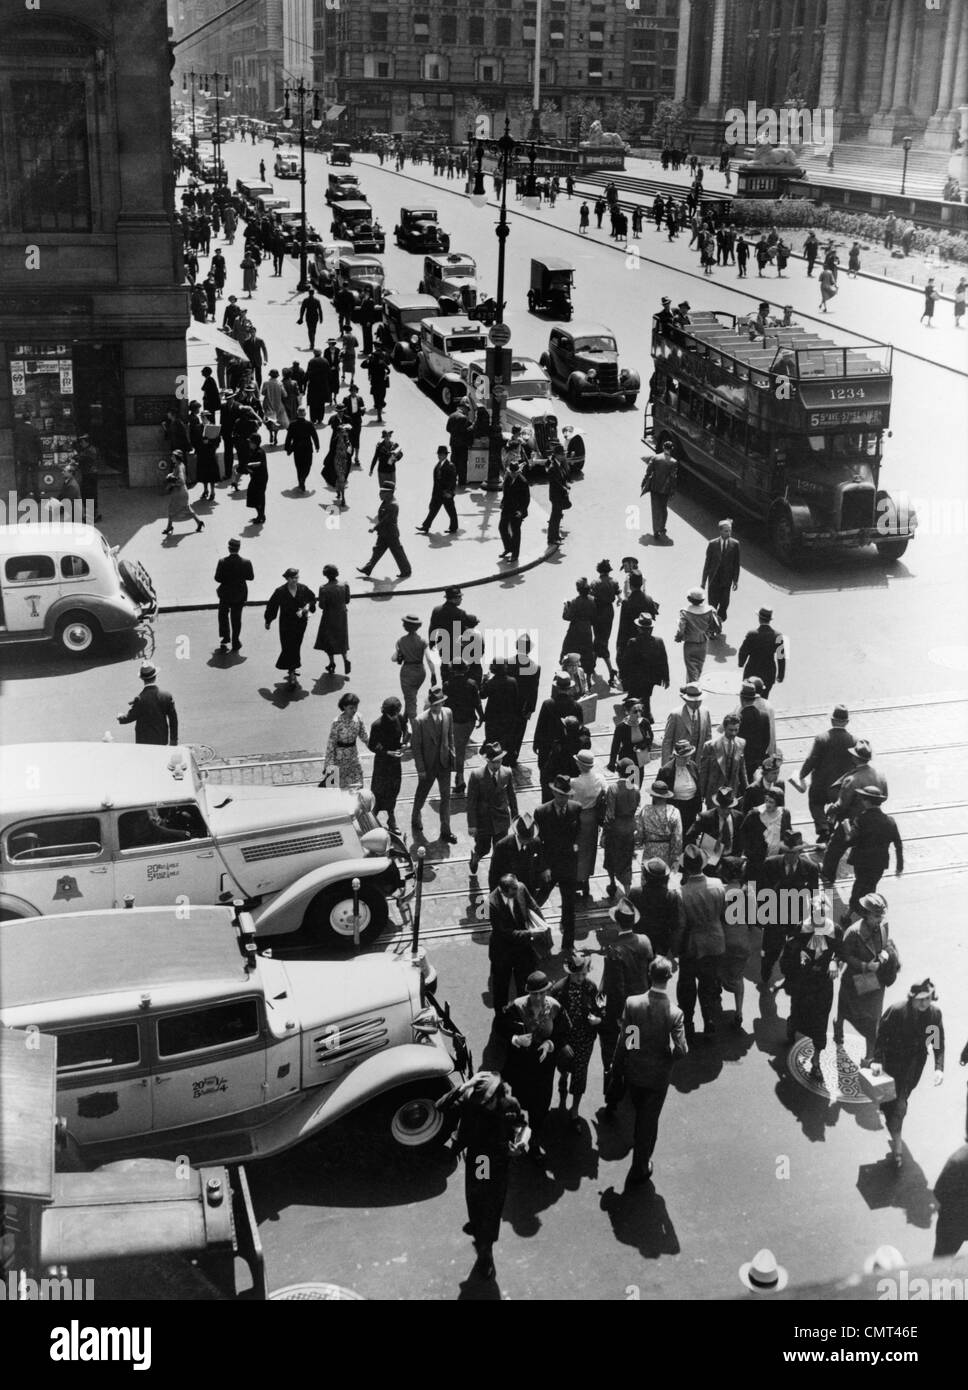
<point x="632" y="186"/>
<point x="879" y="169"/>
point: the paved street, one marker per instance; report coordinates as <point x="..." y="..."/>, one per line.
<point x="747" y="1157"/>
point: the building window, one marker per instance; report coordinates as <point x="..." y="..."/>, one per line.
<point x="52" y="173"/>
<point x="556" y="33"/>
<point x="644" y="40"/>
<point x="596" y="33"/>
<point x="377" y="65"/>
<point x="475" y="29"/>
<point x="421" y="28"/>
<point x="379" y="26"/>
<point x="435" y="68"/>
<point x="502" y="32"/>
<point x="528" y="31"/>
<point x="643" y="78"/>
<point x="488" y="70"/>
<point x="594" y="74"/>
<point x="448" y="28"/>
<point x="668" y="78"/>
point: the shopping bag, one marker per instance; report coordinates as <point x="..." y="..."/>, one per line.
<point x="876" y="1088"/>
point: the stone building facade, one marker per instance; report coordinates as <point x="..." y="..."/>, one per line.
<point x="93" y="309"/>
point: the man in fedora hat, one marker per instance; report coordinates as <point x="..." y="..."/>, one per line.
<point x="515" y="919"/>
<point x="681" y="775"/>
<point x="152" y="712"/>
<point x="753" y="728"/>
<point x="763" y="653"/>
<point x="518" y="853"/>
<point x="625" y="972"/>
<point x="443" y="487"/>
<point x="844" y="811"/>
<point x="659" y="904"/>
<point x="870" y="837"/>
<point x="697" y="624"/>
<point x="634" y="604"/>
<point x="549" y="727"/>
<point x="826" y="763"/>
<point x="232" y="574"/>
<point x="557" y="822"/>
<point x="537" y="1030"/>
<point x="720" y="571"/>
<point x="793" y="880"/>
<point x="386" y="528"/>
<point x="715" y="830"/>
<point x="432" y="740"/>
<point x="661" y="477"/>
<point x="448" y="623"/>
<point x="691" y="722"/>
<point x="703" y="943"/>
<point x="644" y="663"/>
<point x="722" y="763"/>
<point x="651" y="1037"/>
<point x="491" y="802"/>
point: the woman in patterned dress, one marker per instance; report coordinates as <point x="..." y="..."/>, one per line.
<point x="341" y="752"/>
<point x="582" y="1005"/>
<point x="410" y="653"/>
<point x="658" y="828"/>
<point x="618" y="829"/>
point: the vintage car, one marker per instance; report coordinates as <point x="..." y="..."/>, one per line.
<point x="355" y="221"/>
<point x="324" y="261"/>
<point x="528" y="404"/>
<point x="340" y="154"/>
<point x="418" y="230"/>
<point x="446" y="346"/>
<point x="360" y="275"/>
<point x="551" y="282"/>
<point x="175" y="1035"/>
<point x="342" y="186"/>
<point x="583" y="364"/>
<point x="268" y="203"/>
<point x="402" y="316"/>
<point x="289" y="222"/>
<point x="286" y="166"/>
<point x="252" y="188"/>
<point x="452" y="280"/>
<point x="89" y="825"/>
<point x="62" y="582"/>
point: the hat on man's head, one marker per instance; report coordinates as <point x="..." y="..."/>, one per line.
<point x="235" y="544"/>
<point x="683" y="748"/>
<point x="562" y="785"/>
<point x="624" y="913"/>
<point x="585" y="757"/>
<point x="645" y="621"/>
<point x="923" y="989"/>
<point x="766" y="615"/>
<point x="491" y="750"/>
<point x="657" y="869"/>
<point x="411" y="620"/>
<point x="666" y="299"/>
<point x="684" y="304"/>
<point x="873" y="794"/>
<point x="790" y="841"/>
<point x="435" y="696"/>
<point x="840" y="714"/>
<point x="861" y="750"/>
<point x="747" y="691"/>
<point x="725" y="799"/>
<point x="693" y="860"/>
<point x="148" y="672"/>
<point x="562" y="681"/>
<point x="524" y="826"/>
<point x="696" y="596"/>
<point x="691" y="694"/>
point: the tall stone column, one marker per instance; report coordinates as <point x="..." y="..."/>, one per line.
<point x="949" y="52"/>
<point x="856" y="53"/>
<point x="904" y="69"/>
<point x="890" y="56"/>
<point x="682" y="50"/>
<point x="712" y="106"/>
<point x="833" y="49"/>
<point x="959" y="93"/>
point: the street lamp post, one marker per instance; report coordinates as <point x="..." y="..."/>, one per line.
<point x="299" y="94"/>
<point x="506" y="147"/>
<point x="193" y="77"/>
<point x="219" y="93"/>
<point x="906" y="142"/>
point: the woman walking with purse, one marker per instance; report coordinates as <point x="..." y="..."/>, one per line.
<point x="907" y="1033"/>
<point x="583" y="1007"/>
<point x="870" y="964"/>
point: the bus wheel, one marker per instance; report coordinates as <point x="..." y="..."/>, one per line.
<point x="889" y="551"/>
<point x="329" y="918"/>
<point x="783" y="537"/>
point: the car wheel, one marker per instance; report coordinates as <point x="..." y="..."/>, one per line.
<point x="889" y="551"/>
<point x="783" y="537"/>
<point x="329" y="917"/>
<point x="447" y="396"/>
<point x="630" y="402"/>
<point x="78" y="633"/>
<point x="413" y="1118"/>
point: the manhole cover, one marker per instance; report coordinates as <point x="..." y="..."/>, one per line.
<point x="840" y="1084"/>
<point x="326" y="1291"/>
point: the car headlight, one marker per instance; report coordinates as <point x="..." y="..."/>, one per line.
<point x="591" y="374"/>
<point x="375" y="842"/>
<point x="623" y="374"/>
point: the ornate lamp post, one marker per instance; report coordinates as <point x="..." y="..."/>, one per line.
<point x="194" y="78"/>
<point x="906" y="142"/>
<point x="213" y="88"/>
<point x="300" y="94"/>
<point x="498" y="354"/>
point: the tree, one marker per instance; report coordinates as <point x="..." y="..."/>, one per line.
<point x="551" y="116"/>
<point x="472" y="107"/>
<point x="668" y="126"/>
<point x="620" y="117"/>
<point x="585" y="112"/>
<point x="520" y="110"/>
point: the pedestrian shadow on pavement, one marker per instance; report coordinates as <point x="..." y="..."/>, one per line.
<point x="702" y="1066"/>
<point x="572" y="1155"/>
<point x="223" y="661"/>
<point x="881" y="1186"/>
<point x="814" y="1113"/>
<point x="640" y="1218"/>
<point x="532" y="1190"/>
<point x="328" y="683"/>
<point x="282" y="696"/>
<point x="474" y="1289"/>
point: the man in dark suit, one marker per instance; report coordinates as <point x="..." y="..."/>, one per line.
<point x="232" y="574"/>
<point x="302" y="442"/>
<point x="828" y="760"/>
<point x="511" y="947"/>
<point x="637" y="603"/>
<point x="559" y="706"/>
<point x="721" y="762"/>
<point x="448" y="623"/>
<point x="527" y="674"/>
<point x="152" y="712"/>
<point x="720" y="572"/>
<point x="443" y="487"/>
<point x="460" y="428"/>
<point x="870" y="838"/>
<point x="753" y="729"/>
<point x="660" y="483"/>
<point x="625" y="972"/>
<point x="557" y="825"/>
<point x="651" y="1036"/>
<point x="643" y="663"/>
<point x="518" y="853"/>
<point x="311" y="314"/>
<point x="515" y="503"/>
<point x="848" y="804"/>
<point x="433" y="753"/>
<point x="720" y="822"/>
<point x="491" y="802"/>
<point x="763" y="654"/>
<point x="386" y="528"/>
<point x="791" y="877"/>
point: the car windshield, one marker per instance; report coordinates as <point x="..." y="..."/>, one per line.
<point x="460" y="272"/>
<point x="597" y="344"/>
<point x="367" y="272"/>
<point x="423" y="215"/>
<point x="470" y="343"/>
<point x="531" y="387"/>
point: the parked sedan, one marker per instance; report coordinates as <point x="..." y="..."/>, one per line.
<point x="583" y="363"/>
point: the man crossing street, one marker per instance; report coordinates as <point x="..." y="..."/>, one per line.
<point x="232" y="574"/>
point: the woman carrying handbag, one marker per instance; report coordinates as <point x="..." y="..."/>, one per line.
<point x="871" y="963"/>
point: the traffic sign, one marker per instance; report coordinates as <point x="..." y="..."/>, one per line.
<point x="500" y="334"/>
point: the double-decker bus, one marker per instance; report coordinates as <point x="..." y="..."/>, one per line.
<point x="785" y="425"/>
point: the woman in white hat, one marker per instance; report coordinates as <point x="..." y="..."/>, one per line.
<point x="869" y="958"/>
<point x="697" y="623"/>
<point x="658" y="827"/>
<point x="588" y="789"/>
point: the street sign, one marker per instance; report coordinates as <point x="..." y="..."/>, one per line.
<point x="500" y="334"/>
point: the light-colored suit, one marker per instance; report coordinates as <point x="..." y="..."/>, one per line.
<point x="681" y="725"/>
<point x="715" y="771"/>
<point x="434" y="756"/>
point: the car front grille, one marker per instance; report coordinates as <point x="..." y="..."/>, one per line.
<point x="306" y="844"/>
<point x="350" y="1041"/>
<point x="606" y="377"/>
<point x="857" y="508"/>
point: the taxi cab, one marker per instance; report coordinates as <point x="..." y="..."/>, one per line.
<point x="452" y="280"/>
<point x="62" y="582"/>
<point x="175" y="1035"/>
<point x="286" y="166"/>
<point x="90" y="825"/>
<point x="443" y="355"/>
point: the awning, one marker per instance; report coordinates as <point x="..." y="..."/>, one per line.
<point x="333" y="113"/>
<point x="213" y="337"/>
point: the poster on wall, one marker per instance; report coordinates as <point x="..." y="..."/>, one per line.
<point x="42" y="383"/>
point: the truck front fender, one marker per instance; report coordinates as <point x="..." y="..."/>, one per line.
<point x="285" y="911"/>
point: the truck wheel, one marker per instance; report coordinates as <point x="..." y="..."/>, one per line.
<point x="413" y="1117"/>
<point x="783" y="537"/>
<point x="78" y="633"/>
<point x="329" y="917"/>
<point x="889" y="551"/>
